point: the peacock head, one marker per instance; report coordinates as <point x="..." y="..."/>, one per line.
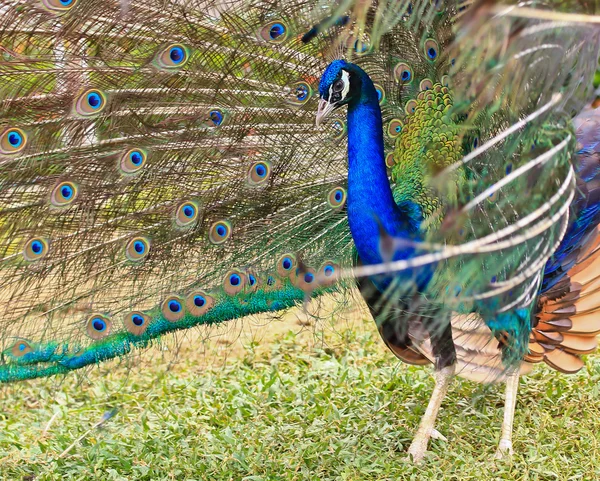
<point x="339" y="85"/>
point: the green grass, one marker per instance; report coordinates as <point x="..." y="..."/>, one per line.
<point x="293" y="412"/>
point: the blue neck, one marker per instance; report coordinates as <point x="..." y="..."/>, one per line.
<point x="372" y="211"/>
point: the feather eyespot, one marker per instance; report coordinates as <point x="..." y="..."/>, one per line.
<point x="410" y="107"/>
<point x="403" y="73"/>
<point x="389" y="160"/>
<point x="361" y="46"/>
<point x="302" y="92"/>
<point x="64" y="194"/>
<point x="136" y="322"/>
<point x="137" y="249"/>
<point x="253" y="281"/>
<point x="274" y="32"/>
<point x="445" y="80"/>
<point x="394" y="128"/>
<point x="176" y="55"/>
<point x="431" y="49"/>
<point x="286" y="265"/>
<point x="172" y="309"/>
<point x="306" y="279"/>
<point x="219" y="232"/>
<point x="187" y="214"/>
<point x="133" y="160"/>
<point x="337" y="198"/>
<point x="90" y="103"/>
<point x="329" y="273"/>
<point x="299" y="93"/>
<point x="59" y="6"/>
<point x="272" y="283"/>
<point x="12" y="141"/>
<point x="259" y="173"/>
<point x="173" y="57"/>
<point x="328" y="270"/>
<point x="35" y="249"/>
<point x="20" y="348"/>
<point x="426" y="84"/>
<point x="338" y="128"/>
<point x="234" y="282"/>
<point x="198" y="303"/>
<point x="215" y="117"/>
<point x="98" y="326"/>
<point x="380" y="93"/>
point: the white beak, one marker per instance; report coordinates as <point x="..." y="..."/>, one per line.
<point x="325" y="108"/>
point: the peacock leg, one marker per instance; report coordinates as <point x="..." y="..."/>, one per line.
<point x="505" y="446"/>
<point x="418" y="447"/>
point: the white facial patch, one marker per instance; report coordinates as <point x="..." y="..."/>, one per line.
<point x="346" y="80"/>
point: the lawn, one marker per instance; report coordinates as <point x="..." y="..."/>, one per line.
<point x="290" y="403"/>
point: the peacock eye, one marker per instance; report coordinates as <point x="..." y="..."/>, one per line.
<point x="380" y="93"/>
<point x="12" y="141"/>
<point x="173" y="56"/>
<point x="186" y="214"/>
<point x="234" y="282"/>
<point x="360" y="46"/>
<point x="198" y="303"/>
<point x="177" y="55"/>
<point x="431" y="49"/>
<point x="132" y="161"/>
<point x="98" y="326"/>
<point x="274" y="32"/>
<point x="63" y="194"/>
<point x="59" y="6"/>
<point x="136" y="322"/>
<point x="338" y="86"/>
<point x="216" y="117"/>
<point x="90" y="103"/>
<point x="259" y="173"/>
<point x="137" y="249"/>
<point x="301" y="93"/>
<point x="403" y="73"/>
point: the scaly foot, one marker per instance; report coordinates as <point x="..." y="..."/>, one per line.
<point x="505" y="449"/>
<point x="418" y="447"/>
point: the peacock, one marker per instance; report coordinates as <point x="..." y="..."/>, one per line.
<point x="181" y="163"/>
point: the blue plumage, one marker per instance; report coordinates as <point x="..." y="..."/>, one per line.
<point x="372" y="211"/>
